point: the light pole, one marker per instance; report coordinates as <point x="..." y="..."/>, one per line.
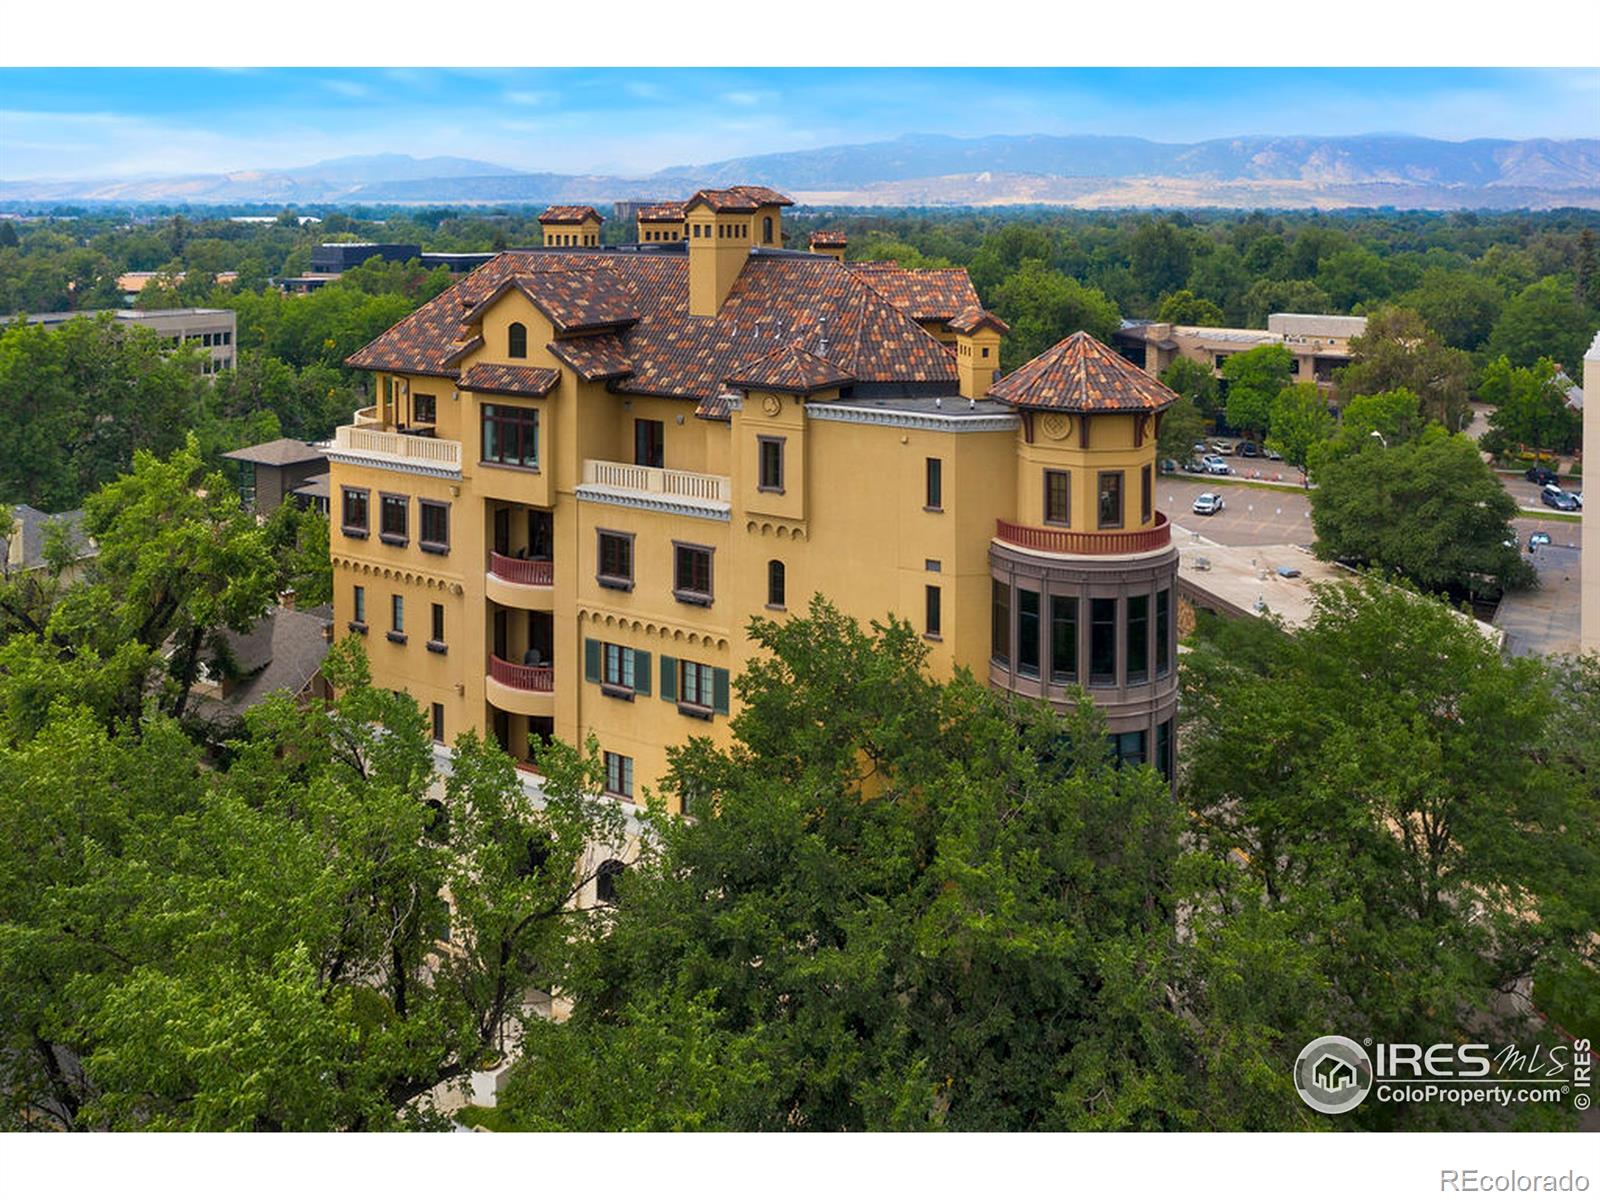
<point x="1382" y="440"/>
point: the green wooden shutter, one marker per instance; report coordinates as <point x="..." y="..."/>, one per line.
<point x="591" y="660"/>
<point x="641" y="672"/>
<point x="669" y="679"/>
<point x="719" y="690"/>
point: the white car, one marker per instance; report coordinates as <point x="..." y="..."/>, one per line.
<point x="1208" y="504"/>
<point x="1214" y="465"/>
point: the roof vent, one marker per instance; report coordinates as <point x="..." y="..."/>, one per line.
<point x="822" y="338"/>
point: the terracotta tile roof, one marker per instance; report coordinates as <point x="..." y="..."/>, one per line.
<point x="569" y="214"/>
<point x="462" y="349"/>
<point x="1080" y="374"/>
<point x="723" y="200"/>
<point x="667" y="210"/>
<point x="970" y="320"/>
<point x="762" y="195"/>
<point x="777" y="300"/>
<point x="586" y="296"/>
<point x="790" y="368"/>
<point x="598" y="356"/>
<point x="932" y="294"/>
<point x="828" y="237"/>
<point x="511" y="381"/>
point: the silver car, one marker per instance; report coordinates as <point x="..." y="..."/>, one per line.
<point x="1208" y="504"/>
<point x="1215" y="465"/>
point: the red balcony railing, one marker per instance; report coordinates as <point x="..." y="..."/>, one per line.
<point x="524" y="679"/>
<point x="538" y="572"/>
<point x="1075" y="541"/>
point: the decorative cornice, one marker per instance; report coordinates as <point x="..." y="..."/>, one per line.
<point x="355" y="458"/>
<point x="943" y="422"/>
<point x="398" y="572"/>
<point x="710" y="510"/>
<point x="668" y="631"/>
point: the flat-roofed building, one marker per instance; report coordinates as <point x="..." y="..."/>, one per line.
<point x="333" y="257"/>
<point x="211" y="328"/>
<point x="1318" y="344"/>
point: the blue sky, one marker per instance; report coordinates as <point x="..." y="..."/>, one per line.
<point x="82" y="123"/>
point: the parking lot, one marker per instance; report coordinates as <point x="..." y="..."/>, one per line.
<point x="1250" y="516"/>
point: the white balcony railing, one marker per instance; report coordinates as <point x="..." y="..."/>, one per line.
<point x="659" y="481"/>
<point x="402" y="450"/>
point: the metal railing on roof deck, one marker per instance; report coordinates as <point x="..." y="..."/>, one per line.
<point x="661" y="481"/>
<point x="1084" y="541"/>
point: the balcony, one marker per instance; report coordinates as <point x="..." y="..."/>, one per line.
<point x="1096" y="542"/>
<point x="688" y="493"/>
<point x="520" y="582"/>
<point x="520" y="689"/>
<point x="366" y="418"/>
<point x="368" y="445"/>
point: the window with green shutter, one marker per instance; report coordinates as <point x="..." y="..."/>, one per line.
<point x="591" y="660"/>
<point x="641" y="672"/>
<point x="719" y="691"/>
<point x="669" y="679"/>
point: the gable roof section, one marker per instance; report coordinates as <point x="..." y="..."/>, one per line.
<point x="933" y="294"/>
<point x="587" y="297"/>
<point x="667" y="210"/>
<point x="762" y="195"/>
<point x="777" y="300"/>
<point x="510" y="381"/>
<point x="1081" y="374"/>
<point x="972" y="319"/>
<point x="723" y="200"/>
<point x="792" y="369"/>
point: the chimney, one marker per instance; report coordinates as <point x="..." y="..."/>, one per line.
<point x="286" y="598"/>
<point x="830" y="242"/>
<point x="978" y="336"/>
<point x="571" y="225"/>
<point x="718" y="226"/>
<point x="660" y="223"/>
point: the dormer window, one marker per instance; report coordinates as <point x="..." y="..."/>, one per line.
<point x="517" y="340"/>
<point x="766" y="230"/>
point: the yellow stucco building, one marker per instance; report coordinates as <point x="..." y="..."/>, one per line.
<point x="587" y="467"/>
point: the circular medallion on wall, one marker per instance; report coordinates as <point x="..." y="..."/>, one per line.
<point x="1056" y="426"/>
<point x="772" y="406"/>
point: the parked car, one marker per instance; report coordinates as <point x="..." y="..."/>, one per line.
<point x="1537" y="539"/>
<point x="1289" y="572"/>
<point x="1193" y="467"/>
<point x="1554" y="497"/>
<point x="1541" y="475"/>
<point x="1272" y="455"/>
<point x="1214" y="465"/>
<point x="1249" y="450"/>
<point x="1167" y="466"/>
<point x="1223" y="446"/>
<point x="1208" y="504"/>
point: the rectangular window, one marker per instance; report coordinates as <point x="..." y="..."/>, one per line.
<point x="615" y="558"/>
<point x="1000" y="623"/>
<point x="435" y="519"/>
<point x="438" y="722"/>
<point x="1164" y="749"/>
<point x="397" y="618"/>
<point x="770" y="456"/>
<point x="1110" y="499"/>
<point x="619" y="775"/>
<point x="1102" y="641"/>
<point x="691" y="573"/>
<point x="394" y="513"/>
<point x="436" y="642"/>
<point x="649" y="443"/>
<point x="1058" y="497"/>
<point x="424" y="409"/>
<point x="1028" y="633"/>
<point x="1063" y="639"/>
<point x="696" y="686"/>
<point x="931" y="615"/>
<point x="1146" y="496"/>
<point x="616" y="674"/>
<point x="936" y="484"/>
<point x="1163" y="632"/>
<point x="1138" y="651"/>
<point x="358" y="609"/>
<point x="1127" y="749"/>
<point x="511" y="435"/>
<point x="354" y="519"/>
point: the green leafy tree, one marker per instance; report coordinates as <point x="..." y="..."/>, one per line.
<point x="1544" y="320"/>
<point x="885" y="876"/>
<point x="1183" y="307"/>
<point x="1429" y="509"/>
<point x="1195" y="382"/>
<point x="1461" y="305"/>
<point x="1267" y="296"/>
<point x="1182" y="428"/>
<point x="1254" y="380"/>
<point x="1161" y="256"/>
<point x="1300" y="421"/>
<point x="1042" y="306"/>
<point x="1398" y="350"/>
<point x="1384" y="832"/>
<point x="1530" y="406"/>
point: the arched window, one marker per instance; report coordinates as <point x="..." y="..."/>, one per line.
<point x="517" y="340"/>
<point x="775" y="581"/>
<point x="766" y="230"/>
<point x="605" y="881"/>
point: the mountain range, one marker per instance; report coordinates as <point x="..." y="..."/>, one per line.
<point x="1083" y="171"/>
